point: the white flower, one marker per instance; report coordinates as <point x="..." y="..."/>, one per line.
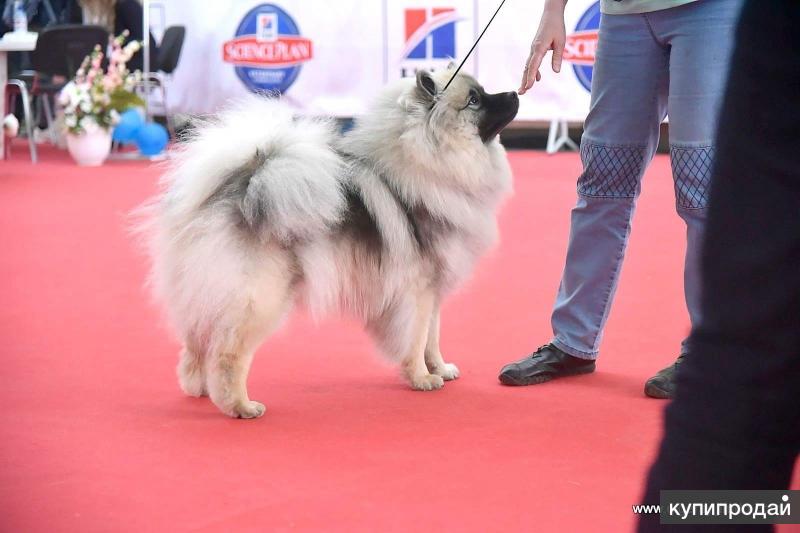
<point x="86" y="106"/>
<point x="132" y="47"/>
<point x="89" y="124"/>
<point x="71" y="121"/>
<point x="65" y="96"/>
<point x="77" y="98"/>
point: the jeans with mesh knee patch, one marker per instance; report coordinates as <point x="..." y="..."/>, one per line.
<point x="600" y="225"/>
<point x="674" y="60"/>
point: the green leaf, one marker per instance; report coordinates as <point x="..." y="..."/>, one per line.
<point x="122" y="100"/>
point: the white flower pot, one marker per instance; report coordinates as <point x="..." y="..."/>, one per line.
<point x="90" y="149"/>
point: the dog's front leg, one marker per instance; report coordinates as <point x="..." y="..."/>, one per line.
<point x="433" y="356"/>
<point x="414" y="365"/>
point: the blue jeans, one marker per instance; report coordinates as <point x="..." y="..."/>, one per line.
<point x="676" y="61"/>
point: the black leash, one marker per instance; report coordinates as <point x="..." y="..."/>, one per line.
<point x="474" y="45"/>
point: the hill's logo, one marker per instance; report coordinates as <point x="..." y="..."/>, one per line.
<point x="430" y="33"/>
<point x="430" y="40"/>
<point x="268" y="50"/>
<point x="581" y="45"/>
<point x="424" y="35"/>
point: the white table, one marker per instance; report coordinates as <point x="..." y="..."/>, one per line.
<point x="11" y="43"/>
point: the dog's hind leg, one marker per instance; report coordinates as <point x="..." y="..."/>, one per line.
<point x="227" y="367"/>
<point x="229" y="358"/>
<point x="433" y="356"/>
<point x="228" y="382"/>
<point x="192" y="372"/>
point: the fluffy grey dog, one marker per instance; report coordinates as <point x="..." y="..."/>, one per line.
<point x="261" y="209"/>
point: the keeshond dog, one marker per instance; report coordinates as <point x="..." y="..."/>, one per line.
<point x="261" y="209"/>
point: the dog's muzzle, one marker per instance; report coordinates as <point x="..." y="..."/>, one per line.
<point x="499" y="110"/>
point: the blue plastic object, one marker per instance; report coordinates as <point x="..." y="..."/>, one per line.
<point x="129" y="123"/>
<point x="151" y="139"/>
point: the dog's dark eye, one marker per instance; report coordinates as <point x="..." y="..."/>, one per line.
<point x="474" y="100"/>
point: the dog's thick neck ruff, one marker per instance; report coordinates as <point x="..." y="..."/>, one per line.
<point x="420" y="219"/>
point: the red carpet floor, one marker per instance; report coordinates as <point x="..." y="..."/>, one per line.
<point x="96" y="436"/>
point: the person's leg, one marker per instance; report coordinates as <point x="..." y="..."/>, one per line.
<point x="629" y="98"/>
<point x="700" y="37"/>
<point x="629" y="88"/>
<point x="735" y="422"/>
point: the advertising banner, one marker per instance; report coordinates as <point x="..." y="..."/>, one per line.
<point x="331" y="58"/>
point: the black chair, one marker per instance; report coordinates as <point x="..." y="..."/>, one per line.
<point x="59" y="51"/>
<point x="169" y="52"/>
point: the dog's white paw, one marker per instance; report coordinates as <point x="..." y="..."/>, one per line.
<point x="427" y="382"/>
<point x="448" y="371"/>
<point x="249" y="409"/>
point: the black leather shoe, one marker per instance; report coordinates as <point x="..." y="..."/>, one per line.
<point x="546" y="363"/>
<point x="662" y="385"/>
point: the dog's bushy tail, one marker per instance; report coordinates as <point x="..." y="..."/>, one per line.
<point x="275" y="173"/>
<point x="251" y="176"/>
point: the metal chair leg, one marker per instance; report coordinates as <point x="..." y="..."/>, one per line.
<point x="170" y="123"/>
<point x="36" y="106"/>
<point x="26" y="108"/>
<point x="8" y="107"/>
<point x="48" y="113"/>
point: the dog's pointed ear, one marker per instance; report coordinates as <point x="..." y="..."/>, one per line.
<point x="425" y="85"/>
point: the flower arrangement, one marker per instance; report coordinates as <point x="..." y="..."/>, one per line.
<point x="94" y="98"/>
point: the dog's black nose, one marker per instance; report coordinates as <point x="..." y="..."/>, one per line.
<point x="512" y="101"/>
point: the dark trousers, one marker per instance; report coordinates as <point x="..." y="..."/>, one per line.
<point x="735" y="420"/>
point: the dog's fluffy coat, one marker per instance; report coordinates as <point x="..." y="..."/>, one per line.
<point x="261" y="208"/>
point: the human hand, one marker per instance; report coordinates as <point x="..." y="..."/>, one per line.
<point x="551" y="35"/>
